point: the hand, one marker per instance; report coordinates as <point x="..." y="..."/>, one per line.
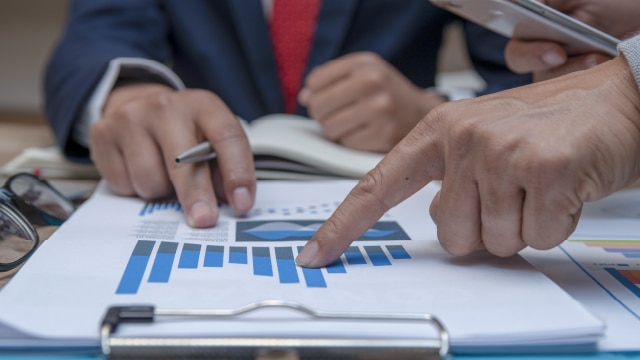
<point x="516" y="167"/>
<point x="548" y="59"/>
<point x="363" y="102"/>
<point x="145" y="126"/>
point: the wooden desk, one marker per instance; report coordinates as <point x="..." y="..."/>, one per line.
<point x="19" y="131"/>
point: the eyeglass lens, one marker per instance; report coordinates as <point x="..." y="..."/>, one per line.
<point x="16" y="237"/>
<point x="42" y="196"/>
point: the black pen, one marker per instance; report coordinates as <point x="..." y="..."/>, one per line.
<point x="198" y="153"/>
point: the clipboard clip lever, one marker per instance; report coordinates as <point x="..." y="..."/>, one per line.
<point x="115" y="347"/>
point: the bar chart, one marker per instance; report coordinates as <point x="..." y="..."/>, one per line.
<point x="153" y="261"/>
<point x="613" y="264"/>
<point x="150" y="208"/>
<point x="621" y="261"/>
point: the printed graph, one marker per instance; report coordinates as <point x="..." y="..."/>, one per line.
<point x="154" y="261"/>
<point x="154" y="207"/>
<point x="293" y="230"/>
<point x="619" y="259"/>
<point x="323" y="208"/>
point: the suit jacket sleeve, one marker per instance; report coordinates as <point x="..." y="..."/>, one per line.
<point x="96" y="33"/>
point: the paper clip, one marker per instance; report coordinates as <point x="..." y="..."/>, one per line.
<point x="261" y="348"/>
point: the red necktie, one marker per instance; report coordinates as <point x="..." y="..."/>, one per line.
<point x="292" y="28"/>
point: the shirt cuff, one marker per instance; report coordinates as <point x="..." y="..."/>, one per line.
<point x="120" y="68"/>
<point x="453" y="94"/>
<point x="630" y="48"/>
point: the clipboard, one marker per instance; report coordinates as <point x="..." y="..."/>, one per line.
<point x="114" y="347"/>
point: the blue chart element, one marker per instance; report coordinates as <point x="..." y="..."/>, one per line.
<point x="354" y="256"/>
<point x="133" y="273"/>
<point x="238" y="255"/>
<point x="264" y="262"/>
<point x="214" y="256"/>
<point x="296" y="230"/>
<point x="398" y="252"/>
<point x="287" y="271"/>
<point x="624" y="281"/>
<point x="151" y="207"/>
<point x="337" y="267"/>
<point x="161" y="269"/>
<point x="377" y="256"/>
<point x="189" y="256"/>
<point x="313" y="277"/>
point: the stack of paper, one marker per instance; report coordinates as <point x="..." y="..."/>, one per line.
<point x="118" y="250"/>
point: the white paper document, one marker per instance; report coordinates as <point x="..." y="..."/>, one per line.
<point x="119" y="251"/>
<point x="600" y="266"/>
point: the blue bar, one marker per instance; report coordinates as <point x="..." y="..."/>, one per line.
<point x="262" y="261"/>
<point x="354" y="256"/>
<point x="238" y="255"/>
<point x="622" y="250"/>
<point x="145" y="209"/>
<point x="377" y="256"/>
<point x="133" y="273"/>
<point x="398" y="252"/>
<point x="313" y="276"/>
<point x="214" y="256"/>
<point x="287" y="271"/>
<point x="337" y="267"/>
<point x="624" y="281"/>
<point x="161" y="269"/>
<point x="189" y="256"/>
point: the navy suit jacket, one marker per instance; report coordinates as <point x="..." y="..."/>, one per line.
<point x="224" y="46"/>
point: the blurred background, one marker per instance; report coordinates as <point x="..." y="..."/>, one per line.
<point x="29" y="30"/>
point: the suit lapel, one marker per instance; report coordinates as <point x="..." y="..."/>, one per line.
<point x="333" y="23"/>
<point x="253" y="31"/>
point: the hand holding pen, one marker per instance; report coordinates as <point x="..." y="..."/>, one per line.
<point x="142" y="129"/>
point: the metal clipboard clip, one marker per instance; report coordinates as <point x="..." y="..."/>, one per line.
<point x="266" y="348"/>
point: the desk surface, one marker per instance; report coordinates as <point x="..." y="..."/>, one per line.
<point x="19" y="131"/>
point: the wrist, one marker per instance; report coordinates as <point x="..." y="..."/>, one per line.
<point x="126" y="90"/>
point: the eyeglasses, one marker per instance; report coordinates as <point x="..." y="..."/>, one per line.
<point x="27" y="200"/>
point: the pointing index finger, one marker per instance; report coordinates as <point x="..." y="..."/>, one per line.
<point x="406" y="169"/>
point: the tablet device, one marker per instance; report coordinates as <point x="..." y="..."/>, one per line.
<point x="532" y="20"/>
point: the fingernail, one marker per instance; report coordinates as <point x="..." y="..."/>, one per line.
<point x="308" y="254"/>
<point x="552" y="58"/>
<point x="242" y="200"/>
<point x="201" y="215"/>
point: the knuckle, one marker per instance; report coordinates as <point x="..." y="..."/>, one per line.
<point x="371" y="186"/>
<point x="382" y="103"/>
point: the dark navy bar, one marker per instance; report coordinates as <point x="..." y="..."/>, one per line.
<point x="287" y="270"/>
<point x="137" y="265"/>
<point x="214" y="256"/>
<point x="377" y="256"/>
<point x="161" y="269"/>
<point x="354" y="256"/>
<point x="262" y="261"/>
<point x="189" y="256"/>
<point x="238" y="255"/>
